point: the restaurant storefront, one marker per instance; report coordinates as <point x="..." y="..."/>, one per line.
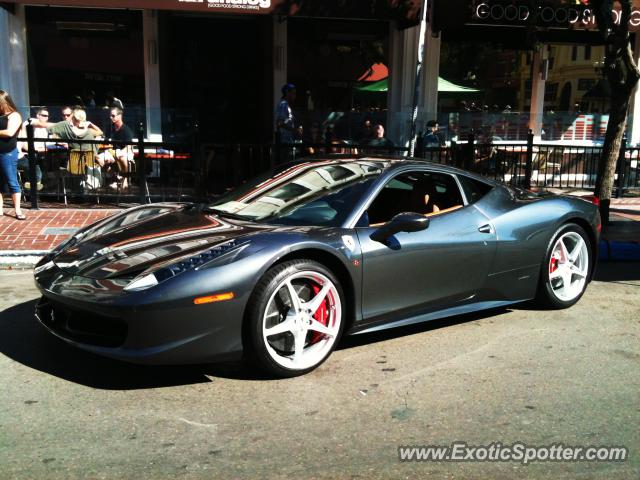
<point x="220" y="64"/>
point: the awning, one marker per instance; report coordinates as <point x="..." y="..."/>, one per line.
<point x="443" y="86"/>
<point x="406" y="12"/>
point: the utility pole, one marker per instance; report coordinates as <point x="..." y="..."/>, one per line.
<point x="419" y="62"/>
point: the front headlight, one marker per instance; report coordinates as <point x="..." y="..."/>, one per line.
<point x="142" y="283"/>
<point x="192" y="263"/>
<point x="199" y="260"/>
<point x="43" y="267"/>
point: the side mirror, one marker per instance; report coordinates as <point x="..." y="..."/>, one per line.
<point x="403" y="222"/>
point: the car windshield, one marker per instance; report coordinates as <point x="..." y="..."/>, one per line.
<point x="310" y="193"/>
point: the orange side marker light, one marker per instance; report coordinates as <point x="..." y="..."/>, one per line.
<point x="220" y="297"/>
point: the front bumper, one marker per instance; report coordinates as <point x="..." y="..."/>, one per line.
<point x="136" y="327"/>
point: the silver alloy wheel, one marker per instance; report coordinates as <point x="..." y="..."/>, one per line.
<point x="292" y="334"/>
<point x="569" y="266"/>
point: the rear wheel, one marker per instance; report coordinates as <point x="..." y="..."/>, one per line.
<point x="566" y="268"/>
<point x="295" y="318"/>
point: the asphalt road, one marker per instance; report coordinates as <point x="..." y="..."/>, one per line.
<point x="510" y="375"/>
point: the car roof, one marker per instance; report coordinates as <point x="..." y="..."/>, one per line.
<point x="390" y="164"/>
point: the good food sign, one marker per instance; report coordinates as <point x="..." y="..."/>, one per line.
<point x="549" y="14"/>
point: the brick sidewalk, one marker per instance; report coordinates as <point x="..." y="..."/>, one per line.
<point x="43" y="229"/>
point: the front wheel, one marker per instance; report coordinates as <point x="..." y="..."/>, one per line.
<point x="295" y="318"/>
<point x="566" y="268"/>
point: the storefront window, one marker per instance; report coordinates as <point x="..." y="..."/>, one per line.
<point x="83" y="56"/>
<point x="330" y="61"/>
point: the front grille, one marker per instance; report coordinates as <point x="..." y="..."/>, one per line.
<point x="81" y="326"/>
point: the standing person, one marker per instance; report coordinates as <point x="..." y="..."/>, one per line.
<point x="91" y="99"/>
<point x="113" y="101"/>
<point x="119" y="135"/>
<point x="285" y="121"/>
<point x="10" y="124"/>
<point x="39" y="132"/>
<point x="431" y="138"/>
<point x="366" y="132"/>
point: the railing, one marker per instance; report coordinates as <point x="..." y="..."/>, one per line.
<point x="541" y="165"/>
<point x="105" y="170"/>
<point x="164" y="171"/>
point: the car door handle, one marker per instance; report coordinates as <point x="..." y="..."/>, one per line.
<point x="485" y="229"/>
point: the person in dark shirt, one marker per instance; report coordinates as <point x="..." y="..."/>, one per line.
<point x="119" y="136"/>
<point x="431" y="138"/>
<point x="379" y="140"/>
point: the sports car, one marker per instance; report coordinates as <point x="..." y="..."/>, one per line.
<point x="280" y="268"/>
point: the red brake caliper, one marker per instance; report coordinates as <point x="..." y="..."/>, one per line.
<point x="321" y="315"/>
<point x="553" y="266"/>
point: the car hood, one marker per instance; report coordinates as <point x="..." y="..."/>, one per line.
<point x="140" y="239"/>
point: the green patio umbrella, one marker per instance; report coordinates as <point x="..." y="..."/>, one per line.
<point x="443" y="86"/>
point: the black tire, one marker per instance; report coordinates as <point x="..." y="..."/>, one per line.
<point x="546" y="296"/>
<point x="258" y="349"/>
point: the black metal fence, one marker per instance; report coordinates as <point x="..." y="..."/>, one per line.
<point x="541" y="165"/>
<point x="142" y="171"/>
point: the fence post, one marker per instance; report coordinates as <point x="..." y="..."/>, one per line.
<point x="620" y="166"/>
<point x="141" y="165"/>
<point x="471" y="151"/>
<point x="31" y="154"/>
<point x="529" y="162"/>
<point x="197" y="161"/>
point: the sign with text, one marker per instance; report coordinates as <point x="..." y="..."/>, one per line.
<point x="406" y="11"/>
<point x="543" y="15"/>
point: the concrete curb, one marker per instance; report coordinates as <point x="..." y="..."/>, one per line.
<point x="21" y="258"/>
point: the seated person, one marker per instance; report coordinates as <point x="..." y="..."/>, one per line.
<point x="379" y="140"/>
<point x="77" y="129"/>
<point x="42" y="116"/>
<point x="121" y="153"/>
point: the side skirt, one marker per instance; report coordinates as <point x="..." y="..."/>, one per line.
<point x="448" y="312"/>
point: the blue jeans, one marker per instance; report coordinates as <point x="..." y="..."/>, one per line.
<point x="9" y="170"/>
<point x="23" y="164"/>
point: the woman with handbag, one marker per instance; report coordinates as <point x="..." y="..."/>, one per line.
<point x="10" y="124"/>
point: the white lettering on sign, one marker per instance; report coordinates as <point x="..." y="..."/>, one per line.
<point x="239" y="4"/>
<point x="497" y="12"/>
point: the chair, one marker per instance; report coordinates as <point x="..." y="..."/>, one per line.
<point x="78" y="164"/>
<point x="129" y="175"/>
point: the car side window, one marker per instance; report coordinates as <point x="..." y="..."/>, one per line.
<point x="474" y="189"/>
<point x="426" y="193"/>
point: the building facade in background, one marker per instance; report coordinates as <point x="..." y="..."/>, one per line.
<point x="219" y="65"/>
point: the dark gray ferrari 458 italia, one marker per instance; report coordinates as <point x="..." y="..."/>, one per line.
<point x="280" y="268"/>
